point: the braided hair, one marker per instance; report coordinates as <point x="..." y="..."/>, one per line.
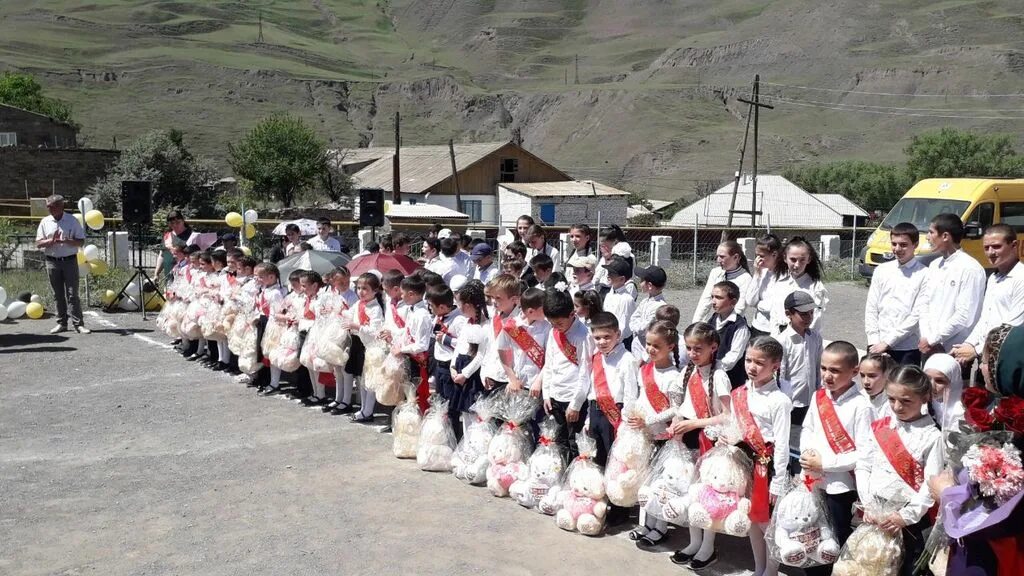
<point x="705" y="334"/>
<point x="472" y="293"/>
<point x="670" y="333"/>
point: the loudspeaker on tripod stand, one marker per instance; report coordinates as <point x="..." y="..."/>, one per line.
<point x="371" y="207"/>
<point x="137" y="202"/>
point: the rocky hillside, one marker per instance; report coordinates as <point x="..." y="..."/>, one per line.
<point x="653" y="107"/>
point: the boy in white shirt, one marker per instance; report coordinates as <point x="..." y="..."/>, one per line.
<point x="956" y="287"/>
<point x="895" y="299"/>
<point x="801" y="359"/>
<point x="504" y="291"/>
<point x="614" y="381"/>
<point x="652" y="282"/>
<point x="618" y="300"/>
<point x="521" y="347"/>
<point x="323" y="239"/>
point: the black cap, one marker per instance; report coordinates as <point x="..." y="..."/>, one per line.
<point x="653" y="274"/>
<point x="618" y="266"/>
<point x="230" y="236"/>
<point x="800" y="301"/>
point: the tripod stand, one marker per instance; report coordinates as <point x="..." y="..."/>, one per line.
<point x="140" y="273"/>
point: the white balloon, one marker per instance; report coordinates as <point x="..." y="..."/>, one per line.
<point x="3" y="295"/>
<point x="458" y="281"/>
<point x="251" y="216"/>
<point x="3" y="313"/>
<point x="84" y="205"/>
<point x="16" y="310"/>
<point x="91" y="252"/>
<point x="83" y="270"/>
<point x="129" y="303"/>
<point x="36" y="298"/>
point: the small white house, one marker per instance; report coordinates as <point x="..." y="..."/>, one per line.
<point x="562" y="203"/>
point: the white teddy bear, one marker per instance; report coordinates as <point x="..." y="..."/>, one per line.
<point x="718" y="501"/>
<point x="628" y="463"/>
<point x="545" y="468"/>
<point x="582" y="506"/>
<point x="801" y="534"/>
<point x="668" y="497"/>
<point x="470" y="460"/>
<point x="437" y="439"/>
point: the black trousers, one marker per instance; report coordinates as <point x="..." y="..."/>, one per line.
<point x="602" y="431"/>
<point x="840" y="511"/>
<point x="566" y="431"/>
<point x="797" y="421"/>
<point x="913" y="545"/>
<point x="906" y="357"/>
<point x="303" y="385"/>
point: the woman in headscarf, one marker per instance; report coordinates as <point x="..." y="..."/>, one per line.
<point x="947" y="388"/>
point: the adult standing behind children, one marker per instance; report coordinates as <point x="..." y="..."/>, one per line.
<point x="732" y="266"/>
<point x="956" y="286"/>
<point x="178" y="230"/>
<point x="896" y="298"/>
<point x="323" y="240"/>
<point x="801" y="271"/>
<point x="60" y="236"/>
<point x="536" y="243"/>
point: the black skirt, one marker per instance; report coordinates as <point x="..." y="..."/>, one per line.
<point x="464" y="396"/>
<point x="356" y="356"/>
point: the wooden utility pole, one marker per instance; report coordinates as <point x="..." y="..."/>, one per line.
<point x="577" y="68"/>
<point x="455" y="175"/>
<point x="755" y="105"/>
<point x="396" y="175"/>
<point x="259" y="39"/>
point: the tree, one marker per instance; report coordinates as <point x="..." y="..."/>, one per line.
<point x="180" y="180"/>
<point x="23" y="91"/>
<point x="869" y="185"/>
<point x="705" y="188"/>
<point x="952" y="153"/>
<point x="280" y="156"/>
<point x="333" y="180"/>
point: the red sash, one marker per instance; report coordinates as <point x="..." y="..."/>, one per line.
<point x="496" y="324"/>
<point x="657" y="399"/>
<point x="908" y="468"/>
<point x="399" y="321"/>
<point x="232" y="280"/>
<point x="306" y="311"/>
<point x="565" y="346"/>
<point x="838" y="439"/>
<point x="701" y="406"/>
<point x="364" y="318"/>
<point x="326" y="379"/>
<point x="605" y="401"/>
<point x="521" y="336"/>
<point x="759" y="497"/>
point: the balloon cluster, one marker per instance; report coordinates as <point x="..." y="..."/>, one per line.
<point x="89" y="216"/>
<point x="26" y="304"/>
<point x="89" y="261"/>
<point x="246" y="221"/>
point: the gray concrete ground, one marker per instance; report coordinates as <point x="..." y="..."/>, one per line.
<point x="118" y="457"/>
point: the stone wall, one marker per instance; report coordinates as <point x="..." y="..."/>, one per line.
<point x="67" y="171"/>
<point x="35" y="130"/>
<point x="572" y="209"/>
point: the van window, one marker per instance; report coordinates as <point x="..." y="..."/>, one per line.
<point x="920" y="211"/>
<point x="1012" y="213"/>
<point x="983" y="214"/>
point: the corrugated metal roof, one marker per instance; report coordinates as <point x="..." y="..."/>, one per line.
<point x="569" y="188"/>
<point x="421" y="166"/>
<point x="419" y="211"/>
<point x="659" y="205"/>
<point x="781" y="203"/>
<point x="636" y="210"/>
<point x="841" y="204"/>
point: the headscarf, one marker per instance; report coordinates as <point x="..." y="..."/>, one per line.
<point x="1006" y="355"/>
<point x="949" y="409"/>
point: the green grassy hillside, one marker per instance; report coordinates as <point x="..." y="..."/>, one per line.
<point x="654" y="108"/>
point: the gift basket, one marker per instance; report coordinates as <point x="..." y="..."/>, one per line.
<point x="511" y="446"/>
<point x="629" y="461"/>
<point x="544" y="468"/>
<point x="581" y="500"/>
<point x="871" y="551"/>
<point x="406" y="425"/>
<point x="799" y="533"/>
<point x="720" y="498"/>
<point x="470" y="461"/>
<point x="665" y="493"/>
<point x="437" y="438"/>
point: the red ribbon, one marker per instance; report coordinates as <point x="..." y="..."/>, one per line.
<point x="544" y="441"/>
<point x="906" y="466"/>
<point x="701" y="406"/>
<point x="838" y="438"/>
<point x="759" y="497"/>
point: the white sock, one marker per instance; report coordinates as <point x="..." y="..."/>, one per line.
<point x="223" y="354"/>
<point x="707" y="545"/>
<point x="319" y="390"/>
<point x="369" y="401"/>
<point x="762" y="565"/>
<point x="275" y="377"/>
<point x="342" y="386"/>
<point x="695" y="541"/>
<point x="652" y="523"/>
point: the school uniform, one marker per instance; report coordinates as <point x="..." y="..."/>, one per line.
<point x="701" y="389"/>
<point x="467" y="363"/>
<point x="614" y="385"/>
<point x="492" y="370"/>
<point x="416" y="345"/>
<point x="331" y="244"/>
<point x="550" y="251"/>
<point x="784" y="286"/>
<point x="268" y="301"/>
<point x="620" y="303"/>
<point x="740" y="277"/>
<point x="565" y="378"/>
<point x="879" y="405"/>
<point x="956" y="288"/>
<point x="757" y="300"/>
<point x="892" y="312"/>
<point x="763" y="415"/>
<point x="800" y="371"/>
<point x="833" y="428"/>
<point x="370" y="317"/>
<point x="444" y="351"/>
<point x="1003" y="304"/>
<point x="528" y="343"/>
<point x="733" y="337"/>
<point x="640" y="321"/>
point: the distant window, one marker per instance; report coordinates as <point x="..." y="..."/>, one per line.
<point x="474" y="209"/>
<point x="547" y="213"/>
<point x="1012" y="213"/>
<point x="8" y="139"/>
<point x="983" y="215"/>
<point x="509" y="168"/>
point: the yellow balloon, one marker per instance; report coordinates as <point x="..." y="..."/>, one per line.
<point x="108" y="297"/>
<point x="94" y="218"/>
<point x="98" y="268"/>
<point x="245" y="250"/>
<point x="233" y="219"/>
<point x="154" y="302"/>
<point x="81" y="257"/>
<point x="34" y="310"/>
<point x="387" y="206"/>
<point x="250" y="231"/>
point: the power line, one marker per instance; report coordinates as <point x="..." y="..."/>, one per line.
<point x="906" y="94"/>
<point x="891" y="113"/>
<point x="782" y="98"/>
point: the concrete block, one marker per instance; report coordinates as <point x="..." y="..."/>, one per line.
<point x="365" y="239"/>
<point x="661" y="250"/>
<point x="748" y="246"/>
<point x="118" y="250"/>
<point x="829" y="247"/>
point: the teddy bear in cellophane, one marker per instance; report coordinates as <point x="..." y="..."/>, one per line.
<point x="286" y="354"/>
<point x="406" y="425"/>
<point x="544" y="468"/>
<point x="800" y="533"/>
<point x="629" y="461"/>
<point x="581" y="502"/>
<point x="335" y="341"/>
<point x="437" y="438"/>
<point x="870" y="551"/>
<point x="720" y="499"/>
<point x="512" y="445"/>
<point x="470" y="461"/>
<point x="664" y="495"/>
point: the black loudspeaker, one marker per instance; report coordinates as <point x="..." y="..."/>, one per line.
<point x="137" y="202"/>
<point x="371" y="207"/>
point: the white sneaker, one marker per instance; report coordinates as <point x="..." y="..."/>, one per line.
<point x="82" y="330"/>
<point x="58" y="329"/>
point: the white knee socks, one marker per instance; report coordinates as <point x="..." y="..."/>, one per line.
<point x="275" y="377"/>
<point x="763" y="566"/>
<point x="223" y="354"/>
<point x="343" y="386"/>
<point x="319" y="390"/>
<point x="367" y="399"/>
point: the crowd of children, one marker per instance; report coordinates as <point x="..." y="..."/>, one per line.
<point x="601" y="352"/>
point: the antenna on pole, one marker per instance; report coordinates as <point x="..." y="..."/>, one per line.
<point x="754" y="105"/>
<point x="259" y="39"/>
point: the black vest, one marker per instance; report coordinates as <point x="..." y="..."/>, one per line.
<point x="738" y="374"/>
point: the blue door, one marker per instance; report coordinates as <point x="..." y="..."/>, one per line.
<point x="547" y="213"/>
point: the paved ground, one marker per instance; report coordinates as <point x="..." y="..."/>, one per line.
<point x="117" y="457"/>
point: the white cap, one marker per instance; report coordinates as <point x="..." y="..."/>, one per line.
<point x="577" y="261"/>
<point x="622" y="249"/>
<point x="457" y="281"/>
<point x="444" y="233"/>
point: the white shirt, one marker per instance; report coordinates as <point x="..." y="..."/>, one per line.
<point x="740" y="338"/>
<point x="368" y="332"/>
<point x="330" y="245"/>
<point x="756" y="299"/>
<point x="492" y="367"/>
<point x="463" y="264"/>
<point x="786" y="285"/>
<point x="877" y="480"/>
<point x="879" y="405"/>
<point x="719" y="388"/>
<point x="469" y="335"/>
<point x="665" y="378"/>
<point x="771" y="409"/>
<point x="801" y="365"/>
<point x="444" y="351"/>
<point x="564" y="381"/>
<point x="855" y="414"/>
<point x="740" y="277"/>
<point x="290" y="248"/>
<point x="956" y="287"/>
<point x="416" y="337"/>
<point x="550" y="251"/>
<point x="522" y="366"/>
<point x="1003" y="304"/>
<point x="485" y="275"/>
<point x="621" y="304"/>
<point x="621" y="371"/>
<point x="640" y="320"/>
<point x="894" y="304"/>
<point x="70" y="229"/>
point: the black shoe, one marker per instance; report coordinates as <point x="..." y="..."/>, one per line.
<point x="680" y="558"/>
<point x="386" y="429"/>
<point x="193" y="357"/>
<point x="218" y="366"/>
<point x="176" y="341"/>
<point x="699" y="565"/>
<point x="360" y="419"/>
<point x="636" y="534"/>
<point x="311" y="401"/>
<point x="268" y="391"/>
<point x="651" y="540"/>
<point x="342" y="409"/>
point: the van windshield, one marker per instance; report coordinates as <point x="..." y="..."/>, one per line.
<point x="920" y="211"/>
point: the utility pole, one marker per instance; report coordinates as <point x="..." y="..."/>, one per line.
<point x="754" y="105"/>
<point x="577" y="68"/>
<point x="396" y="176"/>
<point x="259" y="39"/>
<point x="566" y="76"/>
<point x="455" y="175"/>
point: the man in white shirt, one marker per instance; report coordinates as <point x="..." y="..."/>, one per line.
<point x="60" y="235"/>
<point x="956" y="287"/>
<point x="323" y="240"/>
<point x="536" y="244"/>
<point x="1004" y="294"/>
<point x="484" y="268"/>
<point x="452" y="262"/>
<point x="895" y="299"/>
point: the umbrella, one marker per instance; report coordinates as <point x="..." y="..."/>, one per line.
<point x="205" y="240"/>
<point x="306" y="226"/>
<point x="382" y="263"/>
<point x="318" y="261"/>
